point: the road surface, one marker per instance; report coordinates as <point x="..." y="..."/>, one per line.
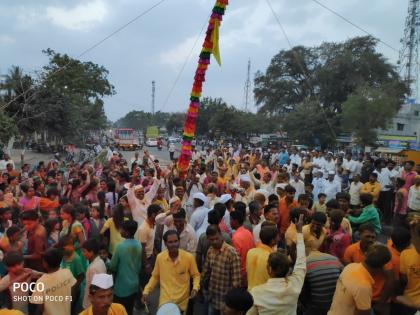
<point x="33" y="157"/>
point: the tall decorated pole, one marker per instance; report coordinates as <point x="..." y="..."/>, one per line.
<point x="210" y="46"/>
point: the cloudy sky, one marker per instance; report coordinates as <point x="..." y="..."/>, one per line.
<point x="157" y="45"/>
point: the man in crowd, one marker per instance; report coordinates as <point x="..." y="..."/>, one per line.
<point x="119" y="192"/>
<point x="221" y="271"/>
<point x="257" y="258"/>
<point x="280" y="293"/>
<point x="173" y="271"/>
<point x="101" y="296"/>
<point x="354" y="292"/>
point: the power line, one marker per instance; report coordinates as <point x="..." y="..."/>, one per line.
<point x="137" y="17"/>
<point x="354" y="24"/>
<point x="178" y="77"/>
<point x="299" y="64"/>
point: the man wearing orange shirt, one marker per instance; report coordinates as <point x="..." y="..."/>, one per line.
<point x="286" y="204"/>
<point x="400" y="240"/>
<point x="242" y="240"/>
<point x="382" y="287"/>
<point x="355" y="286"/>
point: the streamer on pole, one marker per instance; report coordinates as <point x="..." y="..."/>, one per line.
<point x="210" y="47"/>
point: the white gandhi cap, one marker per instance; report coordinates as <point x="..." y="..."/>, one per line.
<point x="102" y="280"/>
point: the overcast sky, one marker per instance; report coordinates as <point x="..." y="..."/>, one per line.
<point x="156" y="46"/>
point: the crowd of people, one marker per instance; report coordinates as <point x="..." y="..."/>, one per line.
<point x="294" y="232"/>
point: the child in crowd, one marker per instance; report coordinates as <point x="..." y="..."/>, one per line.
<point x="96" y="221"/>
<point x="304" y="203"/>
<point x="75" y="263"/>
<point x="337" y="239"/>
<point x="17" y="274"/>
<point x="104" y="255"/>
<point x="53" y="214"/>
<point x="320" y="206"/>
<point x="12" y="241"/>
<point x="52" y="226"/>
<point x="82" y="215"/>
<point x="333" y="204"/>
<point x="5" y="219"/>
<point x="90" y="250"/>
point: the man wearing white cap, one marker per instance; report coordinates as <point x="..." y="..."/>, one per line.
<point x="318" y="182"/>
<point x="139" y="200"/>
<point x="331" y="187"/>
<point x="227" y="200"/>
<point x="329" y="164"/>
<point x="198" y="219"/>
<point x="246" y="192"/>
<point x="295" y="157"/>
<point x="100" y="295"/>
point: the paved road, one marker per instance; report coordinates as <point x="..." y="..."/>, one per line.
<point x="33" y="158"/>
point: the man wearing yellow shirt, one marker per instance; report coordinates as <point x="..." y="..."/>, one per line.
<point x="257" y="258"/>
<point x="100" y="295"/>
<point x="372" y="187"/>
<point x="173" y="270"/>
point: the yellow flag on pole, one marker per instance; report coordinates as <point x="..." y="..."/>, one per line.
<point x="215" y="40"/>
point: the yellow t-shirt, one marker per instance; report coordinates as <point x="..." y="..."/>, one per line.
<point x="311" y="242"/>
<point x="256" y="265"/>
<point x="174" y="278"/>
<point x="114" y="235"/>
<point x="114" y="309"/>
<point x="410" y="266"/>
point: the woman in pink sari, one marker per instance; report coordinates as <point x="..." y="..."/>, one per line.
<point x="29" y="201"/>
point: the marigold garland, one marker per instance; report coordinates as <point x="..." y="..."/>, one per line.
<point x="210" y="47"/>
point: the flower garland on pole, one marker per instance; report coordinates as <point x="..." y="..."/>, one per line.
<point x="210" y="46"/>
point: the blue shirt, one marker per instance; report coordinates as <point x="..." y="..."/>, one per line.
<point x="283" y="157"/>
<point x="126" y="265"/>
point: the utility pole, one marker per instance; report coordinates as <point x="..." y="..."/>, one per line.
<point x="153" y="96"/>
<point x="409" y="54"/>
<point x="247" y="87"/>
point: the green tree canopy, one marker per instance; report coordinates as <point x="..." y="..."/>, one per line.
<point x="66" y="99"/>
<point x="368" y="109"/>
<point x="313" y="83"/>
<point x="140" y="120"/>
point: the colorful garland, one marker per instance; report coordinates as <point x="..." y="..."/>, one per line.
<point x="210" y="46"/>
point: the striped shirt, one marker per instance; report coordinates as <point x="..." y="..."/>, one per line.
<point x="322" y="274"/>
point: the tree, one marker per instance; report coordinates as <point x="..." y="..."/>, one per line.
<point x="7" y="128"/>
<point x="175" y="123"/>
<point x="368" y="109"/>
<point x="74" y="91"/>
<point x="140" y="120"/>
<point x="325" y="75"/>
<point x="66" y="100"/>
<point x="308" y="124"/>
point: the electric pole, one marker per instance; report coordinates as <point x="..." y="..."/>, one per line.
<point x="247" y="87"/>
<point x="153" y="96"/>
